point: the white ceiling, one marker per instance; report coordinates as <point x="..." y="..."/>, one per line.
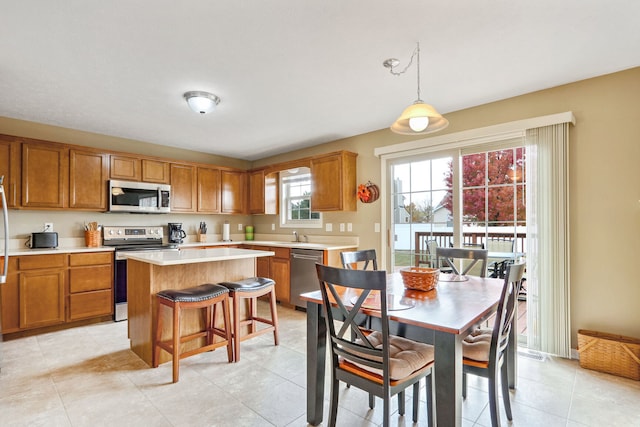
<point x="290" y="73"/>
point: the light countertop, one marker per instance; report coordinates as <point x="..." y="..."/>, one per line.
<point x="275" y="243"/>
<point x="193" y="256"/>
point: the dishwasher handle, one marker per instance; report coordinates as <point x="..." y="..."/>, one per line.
<point x="307" y="257"/>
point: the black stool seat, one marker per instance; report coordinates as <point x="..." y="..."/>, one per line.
<point x="195" y="294"/>
<point x="249" y="284"/>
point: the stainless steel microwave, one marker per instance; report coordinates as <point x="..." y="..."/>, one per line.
<point x="140" y="197"/>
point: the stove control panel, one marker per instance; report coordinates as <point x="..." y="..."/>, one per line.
<point x="133" y="233"/>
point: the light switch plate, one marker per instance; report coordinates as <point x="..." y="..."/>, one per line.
<point x="349" y="227"/>
<point x="376" y="227"/>
<point x="328" y="227"/>
<point x="273" y="227"/>
<point x="342" y="227"/>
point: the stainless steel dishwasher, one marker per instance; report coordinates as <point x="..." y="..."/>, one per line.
<point x="303" y="273"/>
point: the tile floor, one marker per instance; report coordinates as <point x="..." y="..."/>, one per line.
<point x="87" y="376"/>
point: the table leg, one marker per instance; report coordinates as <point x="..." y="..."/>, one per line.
<point x="448" y="379"/>
<point x="316" y="354"/>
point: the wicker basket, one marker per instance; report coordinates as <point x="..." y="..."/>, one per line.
<point x="420" y="278"/>
<point x="613" y="354"/>
<point x="92" y="238"/>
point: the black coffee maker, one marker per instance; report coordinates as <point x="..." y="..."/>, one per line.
<point x="176" y="233"/>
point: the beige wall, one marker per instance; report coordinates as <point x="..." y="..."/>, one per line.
<point x="604" y="187"/>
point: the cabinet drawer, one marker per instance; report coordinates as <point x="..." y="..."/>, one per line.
<point x="90" y="304"/>
<point x="90" y="278"/>
<point x="280" y="252"/>
<point x="32" y="262"/>
<point x="90" y="258"/>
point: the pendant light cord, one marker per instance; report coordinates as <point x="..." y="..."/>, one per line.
<point x="415" y="53"/>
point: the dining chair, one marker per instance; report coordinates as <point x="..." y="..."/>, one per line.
<point x="447" y="257"/>
<point x="484" y="350"/>
<point x="376" y="362"/>
<point x="353" y="260"/>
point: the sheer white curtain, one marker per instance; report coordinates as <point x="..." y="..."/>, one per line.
<point x="548" y="304"/>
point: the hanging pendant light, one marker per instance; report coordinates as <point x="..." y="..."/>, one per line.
<point x="419" y="118"/>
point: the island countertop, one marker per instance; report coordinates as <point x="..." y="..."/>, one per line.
<point x="194" y="256"/>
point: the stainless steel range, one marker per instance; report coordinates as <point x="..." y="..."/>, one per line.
<point x="125" y="239"/>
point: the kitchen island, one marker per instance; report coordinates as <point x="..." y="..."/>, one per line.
<point x="151" y="272"/>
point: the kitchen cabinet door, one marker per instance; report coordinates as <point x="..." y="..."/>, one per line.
<point x="256" y="192"/>
<point x="125" y="168"/>
<point x="183" y="188"/>
<point x="333" y="182"/>
<point x="280" y="272"/>
<point x="10" y="169"/>
<point x="156" y="171"/>
<point x="263" y="192"/>
<point x="88" y="174"/>
<point x="234" y="192"/>
<point x="208" y="190"/>
<point x="10" y="299"/>
<point x="45" y="175"/>
<point x="41" y="298"/>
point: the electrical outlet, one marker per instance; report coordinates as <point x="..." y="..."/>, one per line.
<point x="239" y="227"/>
<point x="48" y="227"/>
<point x="342" y="227"/>
<point x="376" y="227"/>
<point x="349" y="227"/>
<point x="273" y="227"/>
<point x="328" y="227"/>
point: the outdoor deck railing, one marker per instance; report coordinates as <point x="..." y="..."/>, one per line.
<point x="445" y="239"/>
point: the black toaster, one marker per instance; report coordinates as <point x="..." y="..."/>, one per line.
<point x="44" y="240"/>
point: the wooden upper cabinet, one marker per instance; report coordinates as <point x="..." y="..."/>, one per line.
<point x="208" y="190"/>
<point x="234" y="192"/>
<point x="156" y="171"/>
<point x="10" y="169"/>
<point x="333" y="182"/>
<point x="183" y="188"/>
<point x="256" y="192"/>
<point x="88" y="174"/>
<point x="45" y="173"/>
<point x="126" y="168"/>
<point x="263" y="192"/>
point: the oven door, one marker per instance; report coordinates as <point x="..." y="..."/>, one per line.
<point x="120" y="281"/>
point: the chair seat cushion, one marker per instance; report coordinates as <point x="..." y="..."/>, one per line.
<point x="249" y="284"/>
<point x="195" y="294"/>
<point x="477" y="344"/>
<point x="405" y="356"/>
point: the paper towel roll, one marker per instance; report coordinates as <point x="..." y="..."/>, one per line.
<point x="225" y="232"/>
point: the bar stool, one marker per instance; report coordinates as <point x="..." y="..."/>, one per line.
<point x="251" y="289"/>
<point x="203" y="296"/>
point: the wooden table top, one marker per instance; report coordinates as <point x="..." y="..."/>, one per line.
<point x="452" y="307"/>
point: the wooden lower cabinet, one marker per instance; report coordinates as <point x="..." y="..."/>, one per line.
<point x="276" y="267"/>
<point x="41" y="298"/>
<point x="49" y="290"/>
<point x="90" y="285"/>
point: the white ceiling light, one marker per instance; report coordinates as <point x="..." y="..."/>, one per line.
<point x="201" y="102"/>
<point x="418" y="118"/>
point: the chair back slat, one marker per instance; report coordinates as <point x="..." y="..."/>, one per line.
<point x="346" y="291"/>
<point x="352" y="259"/>
<point x="447" y="256"/>
<point x="506" y="312"/>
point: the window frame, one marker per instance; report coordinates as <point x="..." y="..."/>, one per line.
<point x="286" y="199"/>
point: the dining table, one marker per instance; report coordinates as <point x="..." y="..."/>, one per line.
<point x="442" y="317"/>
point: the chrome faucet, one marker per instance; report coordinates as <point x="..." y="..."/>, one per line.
<point x="297" y="239"/>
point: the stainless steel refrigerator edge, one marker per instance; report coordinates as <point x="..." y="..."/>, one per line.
<point x="5" y="254"/>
